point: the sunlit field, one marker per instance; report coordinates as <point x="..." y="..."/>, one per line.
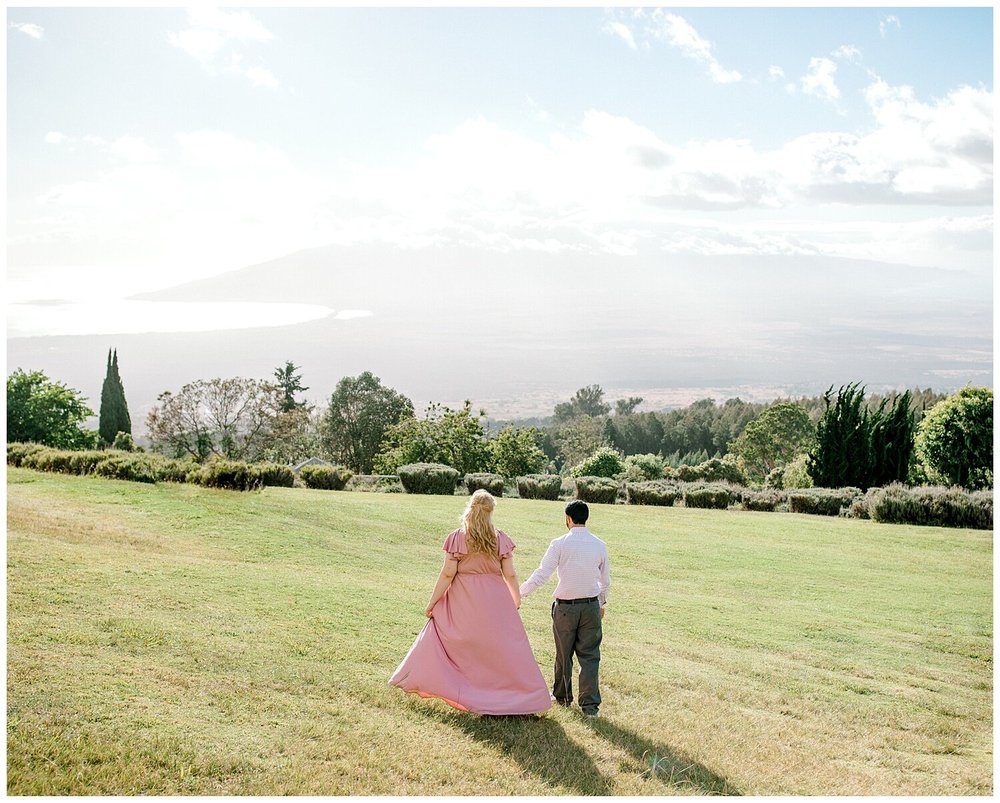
<point x="172" y="639"/>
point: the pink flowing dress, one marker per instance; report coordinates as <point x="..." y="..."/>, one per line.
<point x="474" y="653"/>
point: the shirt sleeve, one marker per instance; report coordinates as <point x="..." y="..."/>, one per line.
<point x="541" y="575"/>
<point x="605" y="581"/>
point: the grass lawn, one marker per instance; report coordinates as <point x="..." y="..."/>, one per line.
<point x="172" y="639"/>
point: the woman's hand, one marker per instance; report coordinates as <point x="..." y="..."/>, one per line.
<point x="430" y="612"/>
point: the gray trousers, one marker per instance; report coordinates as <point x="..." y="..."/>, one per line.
<point x="577" y="630"/>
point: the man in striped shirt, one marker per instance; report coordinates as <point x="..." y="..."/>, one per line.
<point x="580" y="561"/>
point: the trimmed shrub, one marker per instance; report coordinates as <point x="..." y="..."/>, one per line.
<point x="86" y="462"/>
<point x="483" y="480"/>
<point x="325" y="478"/>
<point x="428" y="478"/>
<point x="652" y="492"/>
<point x="176" y="469"/>
<point x="126" y="466"/>
<point x="605" y="462"/>
<point x="714" y="470"/>
<point x="643" y="467"/>
<point x="16" y="452"/>
<point x="822" y="501"/>
<point x="934" y="506"/>
<point x="376" y="483"/>
<point x="60" y="461"/>
<point x="716" y="497"/>
<point x="600" y="490"/>
<point x="228" y="474"/>
<point x="765" y="500"/>
<point x="539" y="486"/>
<point x="276" y="475"/>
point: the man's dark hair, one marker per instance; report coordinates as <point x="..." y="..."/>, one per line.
<point x="578" y="511"/>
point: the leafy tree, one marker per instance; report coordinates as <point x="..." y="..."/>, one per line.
<point x="360" y="414"/>
<point x="515" y="452"/>
<point x="704" y="425"/>
<point x="455" y="438"/>
<point x="42" y="411"/>
<point x="114" y="417"/>
<point x="588" y="401"/>
<point x="229" y="418"/>
<point x="772" y="439"/>
<point x="627" y="406"/>
<point x="289" y="381"/>
<point x="955" y="439"/>
<point x="639" y="433"/>
<point x="294" y="436"/>
<point x="579" y="438"/>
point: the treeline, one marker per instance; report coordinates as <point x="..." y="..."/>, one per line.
<point x="840" y="438"/>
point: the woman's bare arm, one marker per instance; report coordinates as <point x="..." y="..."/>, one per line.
<point x="444" y="580"/>
<point x="510" y="577"/>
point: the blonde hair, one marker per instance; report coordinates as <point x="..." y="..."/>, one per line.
<point x="477" y="522"/>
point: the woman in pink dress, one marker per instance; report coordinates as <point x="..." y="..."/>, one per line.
<point x="473" y="652"/>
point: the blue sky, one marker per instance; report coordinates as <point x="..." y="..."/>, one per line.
<point x="152" y="146"/>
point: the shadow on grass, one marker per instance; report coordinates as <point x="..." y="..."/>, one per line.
<point x="662" y="762"/>
<point x="539" y="745"/>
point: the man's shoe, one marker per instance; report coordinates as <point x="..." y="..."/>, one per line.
<point x="591" y="713"/>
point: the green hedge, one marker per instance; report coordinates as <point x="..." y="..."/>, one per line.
<point x="276" y="475"/>
<point x="652" y="492"/>
<point x="716" y="496"/>
<point x="16" y="452"/>
<point x="934" y="506"/>
<point x="599" y="490"/>
<point x="325" y="478"/>
<point x="822" y="501"/>
<point x="539" y="486"/>
<point x="428" y="478"/>
<point x="126" y="466"/>
<point x="482" y="480"/>
<point x="767" y="499"/>
<point x="228" y="474"/>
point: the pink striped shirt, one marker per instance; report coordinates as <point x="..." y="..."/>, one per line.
<point x="580" y="560"/>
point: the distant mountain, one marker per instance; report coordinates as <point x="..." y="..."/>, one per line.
<point x="450" y="323"/>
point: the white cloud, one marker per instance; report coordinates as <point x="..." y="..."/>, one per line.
<point x="682" y="35"/>
<point x="214" y="34"/>
<point x="622" y="31"/>
<point x="819" y="80"/>
<point x="774" y="72"/>
<point x="848" y="52"/>
<point x="605" y="184"/>
<point x="887" y="22"/>
<point x="29" y="29"/>
<point x="56" y="138"/>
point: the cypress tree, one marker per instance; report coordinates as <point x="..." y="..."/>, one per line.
<point x="859" y="447"/>
<point x="114" y="409"/>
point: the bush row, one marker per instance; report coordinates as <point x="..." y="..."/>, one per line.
<point x="927" y="505"/>
<point x="150" y="468"/>
<point x="894" y="504"/>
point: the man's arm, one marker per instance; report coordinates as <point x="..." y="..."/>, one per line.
<point x="605" y="582"/>
<point x="541" y="575"/>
